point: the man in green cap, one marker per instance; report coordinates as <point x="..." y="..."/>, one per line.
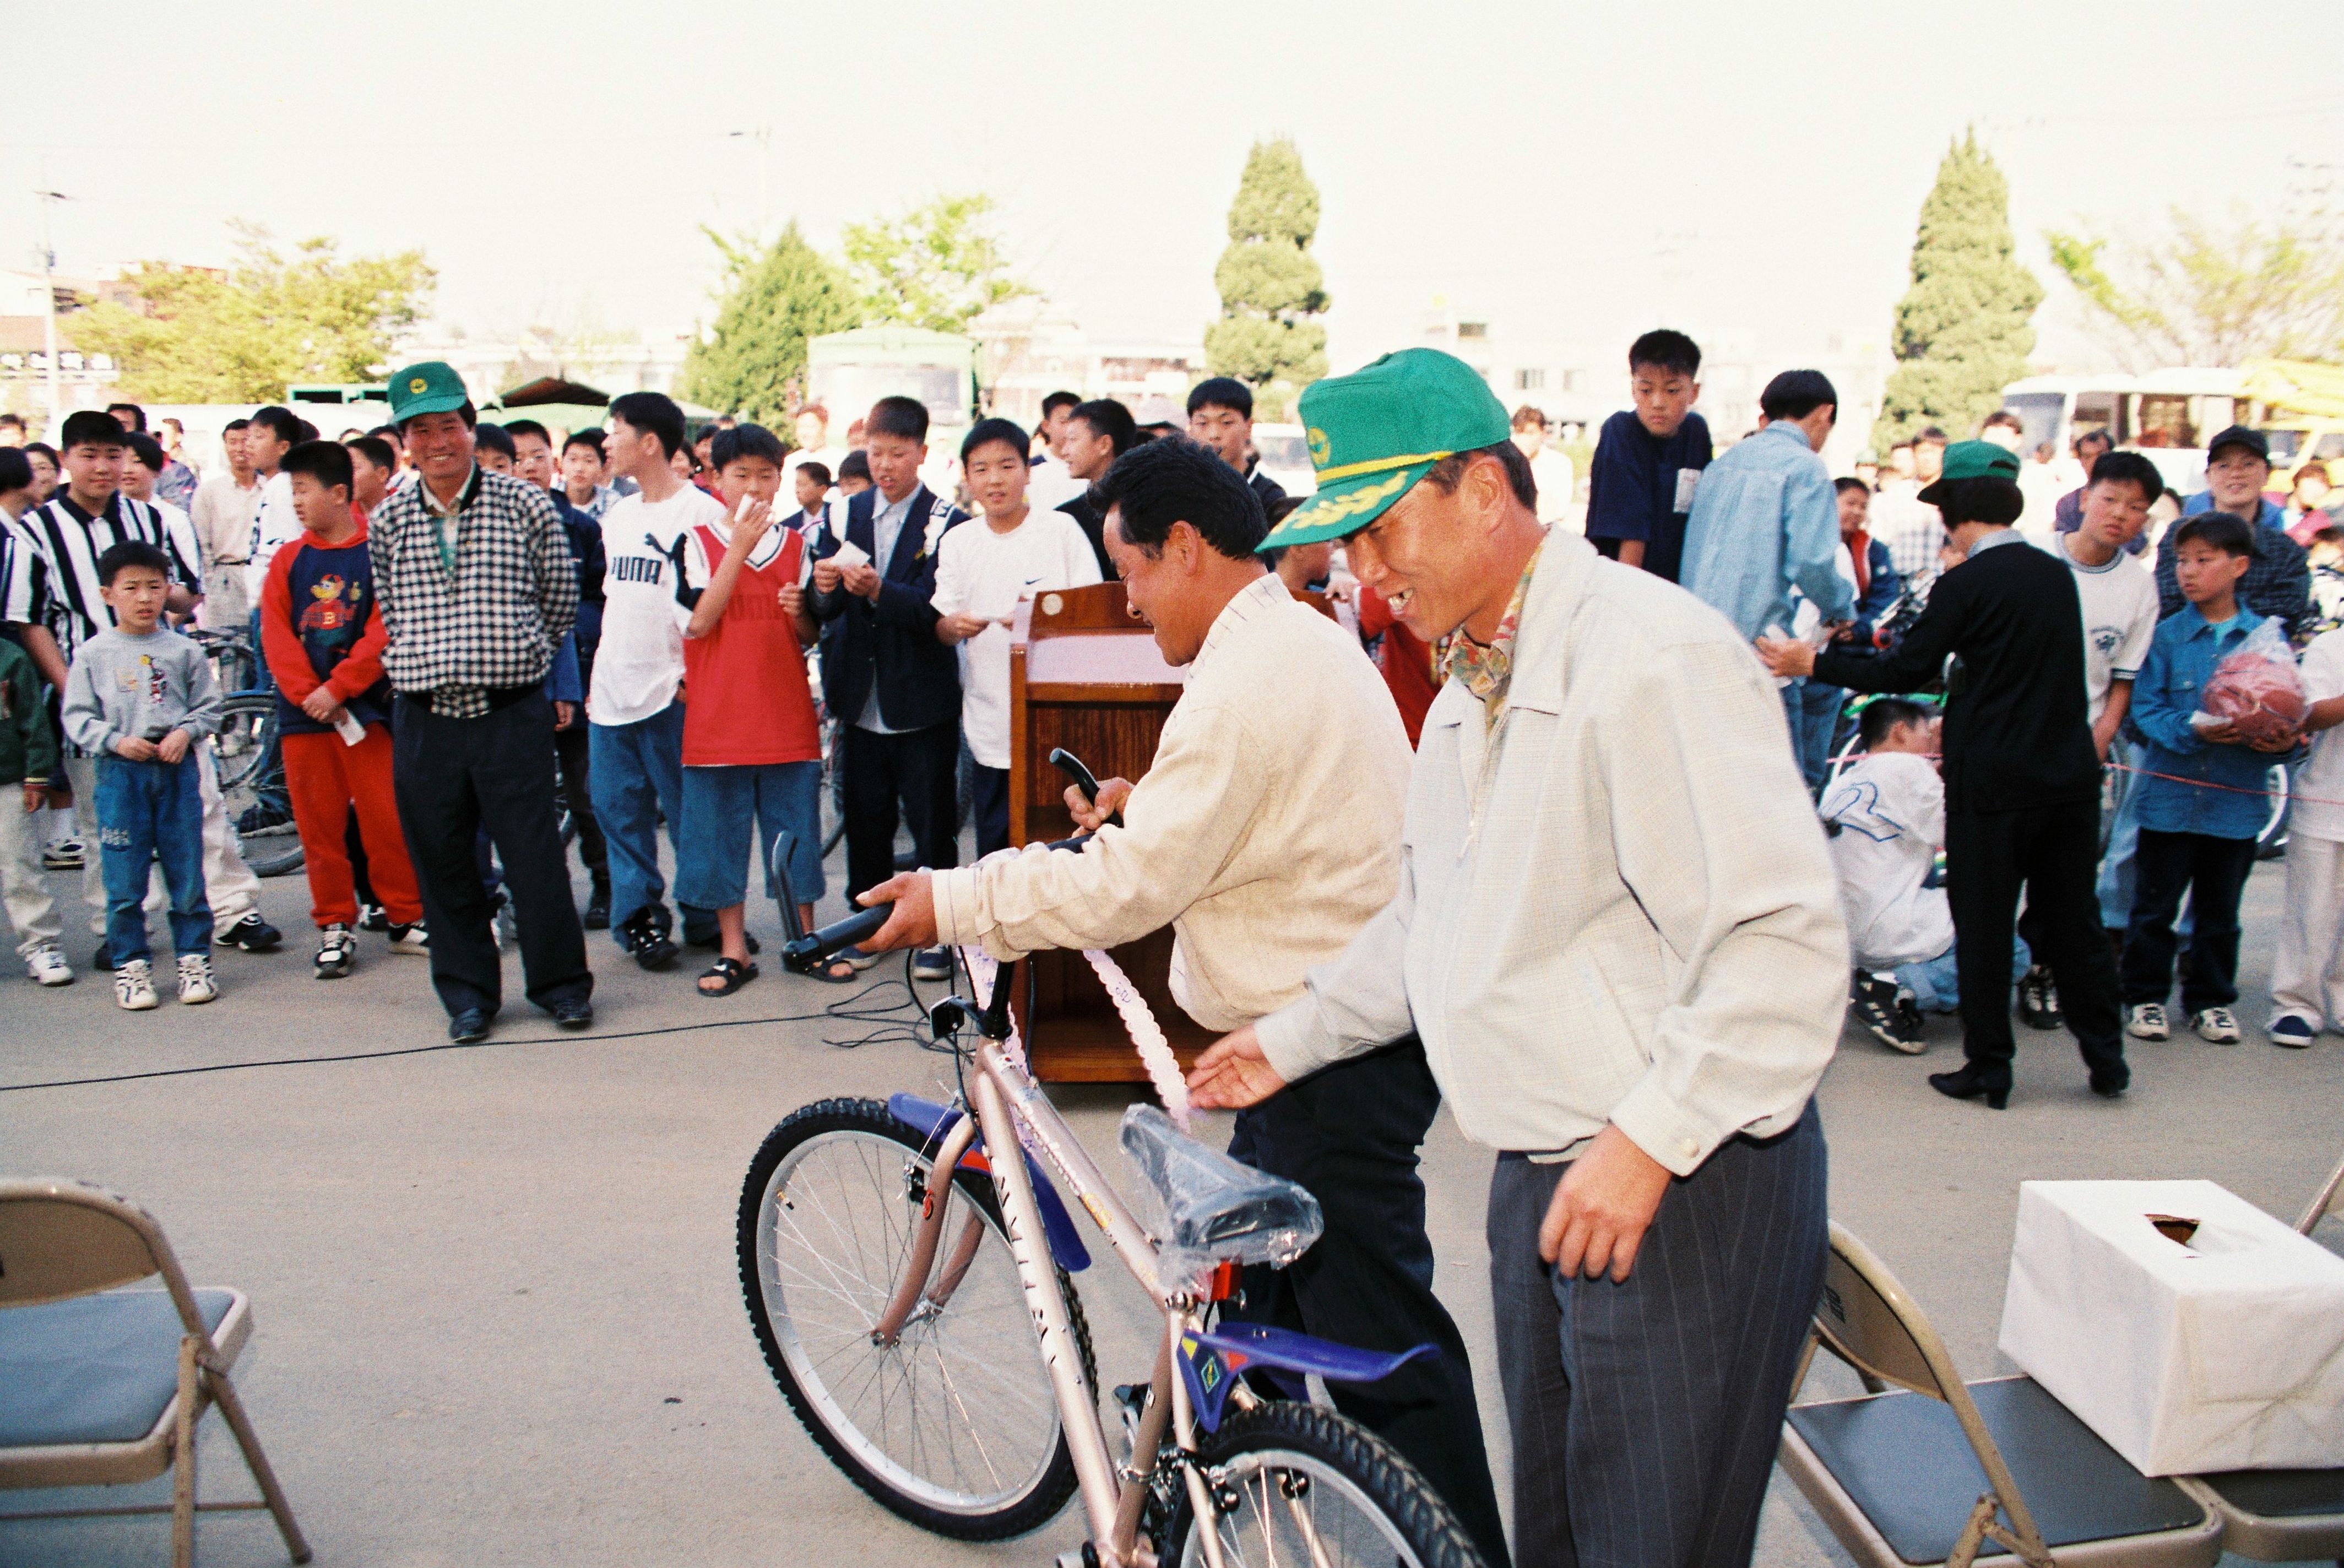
<point x="1618" y="935"/>
<point x="1265" y="833"/>
<point x="477" y="588"/>
<point x="2022" y="772"/>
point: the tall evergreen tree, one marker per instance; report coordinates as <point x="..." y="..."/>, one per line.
<point x="1272" y="291"/>
<point x="1963" y="329"/>
<point x="752" y="360"/>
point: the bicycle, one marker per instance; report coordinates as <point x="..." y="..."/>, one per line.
<point x="926" y="1331"/>
<point x="248" y="763"/>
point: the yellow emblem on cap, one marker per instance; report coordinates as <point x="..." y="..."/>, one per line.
<point x="1319" y="448"/>
<point x="417" y="386"/>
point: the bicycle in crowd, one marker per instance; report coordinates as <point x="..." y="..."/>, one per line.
<point x="908" y="1266"/>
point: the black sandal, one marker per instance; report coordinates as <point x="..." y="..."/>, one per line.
<point x="731" y="971"/>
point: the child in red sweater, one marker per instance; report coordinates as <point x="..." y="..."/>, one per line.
<point x="324" y="635"/>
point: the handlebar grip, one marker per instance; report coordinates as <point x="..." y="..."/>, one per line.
<point x="1073" y="767"/>
<point x="809" y="950"/>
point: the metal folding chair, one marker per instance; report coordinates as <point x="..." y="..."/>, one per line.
<point x="1923" y="1468"/>
<point x="103" y="1386"/>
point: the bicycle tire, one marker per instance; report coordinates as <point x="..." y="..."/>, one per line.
<point x="1286" y="1438"/>
<point x="1032" y="1503"/>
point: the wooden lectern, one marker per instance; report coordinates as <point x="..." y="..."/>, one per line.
<point x="1084" y="674"/>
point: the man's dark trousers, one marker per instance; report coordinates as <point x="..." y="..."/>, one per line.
<point x="1349" y="1134"/>
<point x="2053" y="852"/>
<point x="1646" y="1413"/>
<point x="452" y="777"/>
<point x="920" y="770"/>
<point x="2213" y="871"/>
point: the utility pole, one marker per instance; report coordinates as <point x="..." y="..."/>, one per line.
<point x="49" y="198"/>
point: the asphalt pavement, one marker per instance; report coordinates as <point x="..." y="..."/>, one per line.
<point x="498" y="1314"/>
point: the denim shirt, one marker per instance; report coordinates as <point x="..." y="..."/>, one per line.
<point x="2181" y="659"/>
<point x="1766" y="520"/>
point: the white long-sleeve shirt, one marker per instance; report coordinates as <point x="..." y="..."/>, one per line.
<point x="1618" y="906"/>
<point x="1265" y="832"/>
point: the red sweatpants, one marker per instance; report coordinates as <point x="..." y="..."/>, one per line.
<point x="325" y="778"/>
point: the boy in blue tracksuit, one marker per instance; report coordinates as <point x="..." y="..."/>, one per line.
<point x="2201" y="795"/>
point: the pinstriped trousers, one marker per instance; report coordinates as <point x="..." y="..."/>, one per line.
<point x="1645" y="1414"/>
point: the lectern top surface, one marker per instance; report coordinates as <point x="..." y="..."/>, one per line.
<point x="1104" y="658"/>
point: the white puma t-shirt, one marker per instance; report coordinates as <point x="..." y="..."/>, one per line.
<point x="640" y="663"/>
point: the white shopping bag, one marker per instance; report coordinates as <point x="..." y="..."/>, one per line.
<point x="2190" y="1330"/>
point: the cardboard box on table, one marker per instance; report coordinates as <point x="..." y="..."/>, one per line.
<point x="2214" y="1343"/>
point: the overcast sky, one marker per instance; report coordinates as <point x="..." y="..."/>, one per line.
<point x="1530" y="162"/>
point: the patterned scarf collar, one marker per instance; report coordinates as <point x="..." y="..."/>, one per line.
<point x="1487" y="669"/>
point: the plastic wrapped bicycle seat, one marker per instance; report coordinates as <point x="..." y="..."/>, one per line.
<point x="1203" y="1207"/>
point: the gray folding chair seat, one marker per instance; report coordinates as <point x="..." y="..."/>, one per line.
<point x="100" y="1369"/>
<point x="1904" y="1461"/>
<point x="1936" y="1471"/>
<point x="104" y="1385"/>
<point x="2282" y="1515"/>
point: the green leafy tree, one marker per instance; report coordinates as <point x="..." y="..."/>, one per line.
<point x="1964" y="328"/>
<point x="1272" y="292"/>
<point x="938" y="266"/>
<point x="752" y="360"/>
<point x="269" y="321"/>
<point x="2210" y="293"/>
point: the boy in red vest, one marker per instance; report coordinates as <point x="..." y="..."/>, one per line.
<point x="323" y="635"/>
<point x="752" y="746"/>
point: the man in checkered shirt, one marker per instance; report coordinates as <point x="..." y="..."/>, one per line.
<point x="52" y="582"/>
<point x="477" y="588"/>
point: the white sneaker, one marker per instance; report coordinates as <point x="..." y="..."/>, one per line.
<point x="2147" y="1021"/>
<point x="195" y="982"/>
<point x="336" y="949"/>
<point x="412" y="940"/>
<point x="47" y="966"/>
<point x="2216" y="1026"/>
<point x="133" y="987"/>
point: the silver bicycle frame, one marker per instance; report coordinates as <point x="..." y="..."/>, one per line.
<point x="1005" y="1100"/>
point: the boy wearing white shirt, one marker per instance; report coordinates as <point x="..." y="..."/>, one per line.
<point x="1887" y="817"/>
<point x="2308" y="963"/>
<point x="982" y="574"/>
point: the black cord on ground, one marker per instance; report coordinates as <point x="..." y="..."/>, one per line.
<point x="894" y="1028"/>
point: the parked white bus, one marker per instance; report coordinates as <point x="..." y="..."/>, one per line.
<point x="2166" y="415"/>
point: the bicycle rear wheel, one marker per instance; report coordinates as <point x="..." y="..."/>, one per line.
<point x="954" y="1426"/>
<point x="251" y="774"/>
<point x="1296" y="1484"/>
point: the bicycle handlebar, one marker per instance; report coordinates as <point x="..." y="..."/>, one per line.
<point x="810" y="951"/>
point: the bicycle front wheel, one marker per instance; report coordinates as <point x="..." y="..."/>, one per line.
<point x="1292" y="1482"/>
<point x="954" y="1425"/>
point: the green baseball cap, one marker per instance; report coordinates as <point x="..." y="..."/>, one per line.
<point x="1377" y="430"/>
<point x="1974" y="459"/>
<point x="429" y="388"/>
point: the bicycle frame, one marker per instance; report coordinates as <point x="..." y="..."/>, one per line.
<point x="1005" y="1100"/>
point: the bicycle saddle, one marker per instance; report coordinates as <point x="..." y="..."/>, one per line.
<point x="1204" y="1207"/>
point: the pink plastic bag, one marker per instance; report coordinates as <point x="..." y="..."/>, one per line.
<point x="2256" y="688"/>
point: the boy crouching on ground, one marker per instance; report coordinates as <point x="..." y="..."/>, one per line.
<point x="323" y="635"/>
<point x="1887" y="817"/>
<point x="139" y="698"/>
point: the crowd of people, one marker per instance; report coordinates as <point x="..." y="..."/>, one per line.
<point x="1627" y="723"/>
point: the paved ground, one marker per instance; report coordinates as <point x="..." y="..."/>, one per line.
<point x="497" y="1317"/>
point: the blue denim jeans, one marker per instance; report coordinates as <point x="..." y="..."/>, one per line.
<point x="1935" y="983"/>
<point x="636" y="774"/>
<point x="722" y="805"/>
<point x="150" y="811"/>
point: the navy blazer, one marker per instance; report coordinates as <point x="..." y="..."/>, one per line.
<point x="892" y="643"/>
